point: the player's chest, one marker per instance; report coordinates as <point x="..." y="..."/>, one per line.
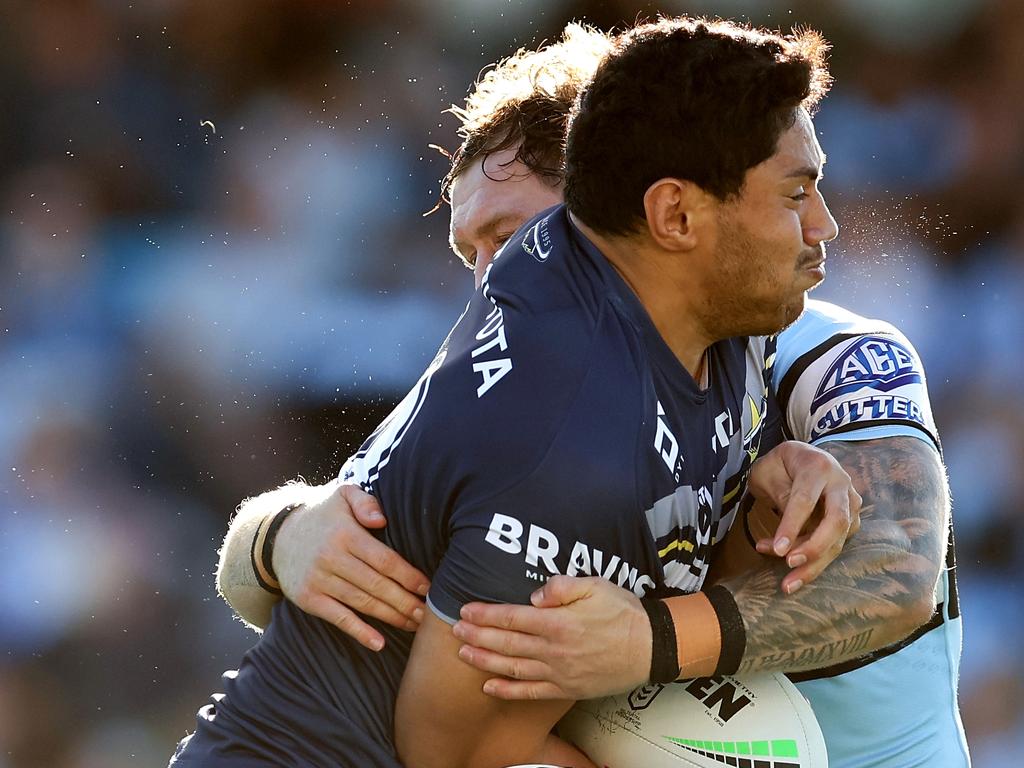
<point x="700" y="453"/>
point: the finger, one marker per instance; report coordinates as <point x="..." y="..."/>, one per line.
<point x="346" y="620"/>
<point x="495" y="663"/>
<point x="561" y="590"/>
<point x="506" y="642"/>
<point x="365" y="507"/>
<point x="356" y="599"/>
<point x="803" y="498"/>
<point x="520" y="690"/>
<point x="519" y="618"/>
<point x="856" y="503"/>
<point x="770" y="480"/>
<point x="827" y="539"/>
<point x="392" y="569"/>
<point x="800" y="577"/>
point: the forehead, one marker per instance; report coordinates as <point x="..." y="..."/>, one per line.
<point x="494" y="189"/>
<point x="798" y="148"/>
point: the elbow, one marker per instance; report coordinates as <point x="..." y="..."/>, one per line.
<point x="917" y="609"/>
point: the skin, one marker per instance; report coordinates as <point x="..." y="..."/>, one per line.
<point x="490" y="200"/>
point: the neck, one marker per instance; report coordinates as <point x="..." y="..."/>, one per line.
<point x="670" y="299"/>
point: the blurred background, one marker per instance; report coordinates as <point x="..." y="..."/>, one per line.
<point x="215" y="275"/>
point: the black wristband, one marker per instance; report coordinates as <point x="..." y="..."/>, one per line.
<point x="267" y="555"/>
<point x="262" y="549"/>
<point x="664" y="652"/>
<point x="733" y="632"/>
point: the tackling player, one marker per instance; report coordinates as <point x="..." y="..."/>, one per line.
<point x="569" y="414"/>
<point x="512" y="123"/>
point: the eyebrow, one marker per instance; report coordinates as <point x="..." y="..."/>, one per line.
<point x="807" y="171"/>
<point x="487" y="227"/>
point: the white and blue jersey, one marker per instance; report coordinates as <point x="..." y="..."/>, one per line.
<point x="554" y="433"/>
<point x="839" y="376"/>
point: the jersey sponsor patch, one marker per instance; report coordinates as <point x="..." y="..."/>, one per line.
<point x="545" y="555"/>
<point x="868" y="362"/>
<point x="873" y="408"/>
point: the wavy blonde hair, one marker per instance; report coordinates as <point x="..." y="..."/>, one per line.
<point x="524" y="102"/>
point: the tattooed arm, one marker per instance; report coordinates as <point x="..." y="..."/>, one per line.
<point x="879" y="589"/>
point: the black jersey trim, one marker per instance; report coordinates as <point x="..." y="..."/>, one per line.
<point x="952" y="594"/>
<point x="936" y="621"/>
<point x="881" y="423"/>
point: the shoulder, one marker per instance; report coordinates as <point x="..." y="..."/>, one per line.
<point x="837" y="372"/>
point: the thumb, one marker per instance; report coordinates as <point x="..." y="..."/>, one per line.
<point x="365" y="508"/>
<point x="560" y="590"/>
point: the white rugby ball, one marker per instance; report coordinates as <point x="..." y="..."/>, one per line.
<point x="757" y="721"/>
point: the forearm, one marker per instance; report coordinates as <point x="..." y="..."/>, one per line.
<point x="236" y="579"/>
<point x="878" y="590"/>
<point x="444" y="720"/>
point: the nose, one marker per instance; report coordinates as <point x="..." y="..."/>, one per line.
<point x="484" y="256"/>
<point x="819" y="225"/>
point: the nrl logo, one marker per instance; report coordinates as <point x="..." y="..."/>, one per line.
<point x="641" y="698"/>
<point x="870" y="361"/>
<point x="540" y="248"/>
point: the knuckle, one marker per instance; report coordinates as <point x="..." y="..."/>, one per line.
<point x="800" y="496"/>
<point x="362" y="602"/>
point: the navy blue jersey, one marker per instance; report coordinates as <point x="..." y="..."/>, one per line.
<point x="554" y="433"/>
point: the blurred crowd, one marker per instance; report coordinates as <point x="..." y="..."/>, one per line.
<point x="216" y="274"/>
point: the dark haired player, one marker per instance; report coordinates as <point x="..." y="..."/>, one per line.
<point x="539" y="248"/>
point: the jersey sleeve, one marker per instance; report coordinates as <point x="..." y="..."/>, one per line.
<point x="839" y="376"/>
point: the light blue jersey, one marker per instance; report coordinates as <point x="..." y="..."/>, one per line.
<point x="839" y="376"/>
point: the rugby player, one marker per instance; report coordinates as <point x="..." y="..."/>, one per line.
<point x="596" y="590"/>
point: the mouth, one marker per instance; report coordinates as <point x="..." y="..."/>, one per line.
<point x="814" y="266"/>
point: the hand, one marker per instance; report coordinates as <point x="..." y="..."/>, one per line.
<point x="808" y="485"/>
<point x="331" y="567"/>
<point x="581" y="638"/>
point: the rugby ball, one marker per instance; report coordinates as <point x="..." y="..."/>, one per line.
<point x="756" y="721"/>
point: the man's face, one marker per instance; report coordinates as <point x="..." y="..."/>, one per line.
<point x="490" y="200"/>
<point x="770" y="240"/>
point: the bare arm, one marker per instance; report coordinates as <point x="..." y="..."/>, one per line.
<point x="879" y="589"/>
<point x="326" y="561"/>
<point x="444" y="720"/>
<point x="236" y="578"/>
<point x="876" y="592"/>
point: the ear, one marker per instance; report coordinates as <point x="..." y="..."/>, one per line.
<point x="676" y="212"/>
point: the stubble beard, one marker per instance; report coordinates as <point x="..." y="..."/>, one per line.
<point x="740" y="303"/>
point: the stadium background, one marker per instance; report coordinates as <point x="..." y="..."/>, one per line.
<point x="214" y="274"/>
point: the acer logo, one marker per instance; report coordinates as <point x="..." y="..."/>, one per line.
<point x="871" y="361"/>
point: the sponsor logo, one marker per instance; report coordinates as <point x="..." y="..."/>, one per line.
<point x="493" y="341"/>
<point x="543" y="553"/>
<point x="868" y="409"/>
<point x="641" y="698"/>
<point x="719" y="695"/>
<point x="665" y="442"/>
<point x="870" y="361"/>
<point x="538" y="241"/>
<point x="723" y="431"/>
